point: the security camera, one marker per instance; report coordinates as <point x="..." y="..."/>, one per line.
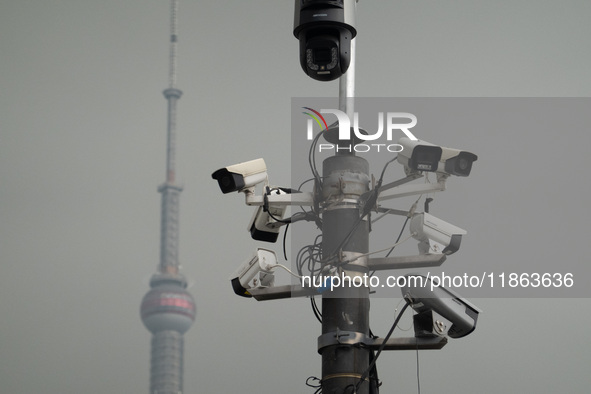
<point x="419" y="155"/>
<point x="239" y="177"/>
<point x="325" y="29"/>
<point x="435" y="235"/>
<point x="264" y="225"/>
<point x="456" y="162"/>
<point x="263" y="262"/>
<point x="423" y="156"/>
<point x="453" y="315"/>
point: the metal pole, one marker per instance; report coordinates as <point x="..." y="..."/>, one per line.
<point x="345" y="235"/>
<point x="347" y="86"/>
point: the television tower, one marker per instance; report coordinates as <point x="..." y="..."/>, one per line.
<point x="168" y="309"/>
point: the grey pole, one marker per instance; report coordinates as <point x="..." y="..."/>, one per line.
<point x="345" y="235"/>
<point x="347" y="86"/>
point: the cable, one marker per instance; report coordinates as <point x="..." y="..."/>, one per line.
<point x="411" y="212"/>
<point x="313" y="214"/>
<point x="284" y="242"/>
<point x="369" y="203"/>
<point x="374" y="380"/>
<point x="367" y="206"/>
<point x="373" y="363"/>
<point x="315" y="309"/>
<point x="418" y="376"/>
<point x="294" y="218"/>
<point x="304" y="182"/>
<point x="317" y="386"/>
<point x="398" y="238"/>
<point x="266" y="205"/>
<point x="374" y="252"/>
<point x="285" y="268"/>
<point x="317" y="179"/>
<point x="384" y="169"/>
<point x="397" y="305"/>
<point x="312" y="155"/>
<point x="310" y="255"/>
<point x="312" y="385"/>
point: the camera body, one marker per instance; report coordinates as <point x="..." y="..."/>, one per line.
<point x="435" y="235"/>
<point x="325" y="29"/>
<point x="241" y="176"/>
<point x="263" y="225"/>
<point x="263" y="263"/>
<point x="453" y="315"/>
<point x="419" y="155"/>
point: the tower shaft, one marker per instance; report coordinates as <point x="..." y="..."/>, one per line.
<point x="169" y="226"/>
<point x="172" y="95"/>
<point x="169" y="229"/>
<point x="166" y="364"/>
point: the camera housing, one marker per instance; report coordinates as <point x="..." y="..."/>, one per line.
<point x="266" y="221"/>
<point x="419" y="155"/>
<point x="325" y="29"/>
<point x="263" y="227"/>
<point x="456" y="162"/>
<point x="263" y="263"/>
<point x="435" y="236"/>
<point x="448" y="308"/>
<point x="241" y="176"/>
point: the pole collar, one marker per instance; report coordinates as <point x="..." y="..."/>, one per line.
<point x="339" y="337"/>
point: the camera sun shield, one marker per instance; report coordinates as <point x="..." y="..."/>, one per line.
<point x="419" y="155"/>
<point x="425" y="158"/>
<point x="228" y="181"/>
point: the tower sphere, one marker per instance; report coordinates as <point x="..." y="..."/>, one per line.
<point x="168" y="307"/>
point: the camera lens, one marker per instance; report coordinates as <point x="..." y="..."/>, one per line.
<point x="322" y="56"/>
<point x="463" y="164"/>
<point x="226" y="181"/>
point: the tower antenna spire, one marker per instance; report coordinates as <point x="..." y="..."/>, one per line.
<point x="174" y="7"/>
<point x="168" y="309"/>
<point x="172" y="94"/>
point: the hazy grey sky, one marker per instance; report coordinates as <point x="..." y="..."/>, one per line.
<point x="82" y="147"/>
